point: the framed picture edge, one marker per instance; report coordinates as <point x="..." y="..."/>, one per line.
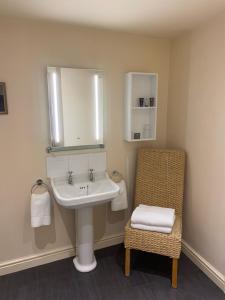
<point x="5" y="112"/>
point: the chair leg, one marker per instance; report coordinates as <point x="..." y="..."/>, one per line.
<point x="174" y="272"/>
<point x="127" y="261"/>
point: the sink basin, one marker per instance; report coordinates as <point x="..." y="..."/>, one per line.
<point x="84" y="193"/>
<point x="82" y="196"/>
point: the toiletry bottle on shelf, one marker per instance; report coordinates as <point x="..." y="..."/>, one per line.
<point x="141" y="102"/>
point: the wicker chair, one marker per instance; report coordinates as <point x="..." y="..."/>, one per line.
<point x="159" y="182"/>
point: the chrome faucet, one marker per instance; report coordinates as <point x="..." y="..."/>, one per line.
<point x="91" y="175"/>
<point x="70" y="177"/>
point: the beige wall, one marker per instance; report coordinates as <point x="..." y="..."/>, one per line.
<point x="196" y="123"/>
<point x="26" y="49"/>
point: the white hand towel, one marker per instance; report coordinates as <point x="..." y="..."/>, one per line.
<point x="40" y="209"/>
<point x="153" y="216"/>
<point x="120" y="202"/>
<point x="152" y="228"/>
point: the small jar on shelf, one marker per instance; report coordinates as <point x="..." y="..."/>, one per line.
<point x="141" y="102"/>
<point x="151" y="101"/>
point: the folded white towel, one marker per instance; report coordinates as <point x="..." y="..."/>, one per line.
<point x="152" y="228"/>
<point x="153" y="216"/>
<point x="120" y="202"/>
<point x="40" y="209"/>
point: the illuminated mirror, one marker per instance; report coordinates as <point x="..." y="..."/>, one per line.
<point x="75" y="108"/>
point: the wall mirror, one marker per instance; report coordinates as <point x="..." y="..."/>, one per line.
<point x="75" y="108"/>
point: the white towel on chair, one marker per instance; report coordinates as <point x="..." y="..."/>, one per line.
<point x="40" y="209"/>
<point x="153" y="216"/>
<point x="152" y="228"/>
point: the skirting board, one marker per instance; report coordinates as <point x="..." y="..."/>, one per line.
<point x="30" y="261"/>
<point x="217" y="277"/>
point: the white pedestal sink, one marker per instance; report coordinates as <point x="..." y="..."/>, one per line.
<point x="82" y="196"/>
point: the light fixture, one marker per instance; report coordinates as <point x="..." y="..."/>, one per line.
<point x="96" y="85"/>
<point x="55" y="108"/>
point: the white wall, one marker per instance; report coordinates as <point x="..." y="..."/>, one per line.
<point x="196" y="123"/>
<point x="26" y="49"/>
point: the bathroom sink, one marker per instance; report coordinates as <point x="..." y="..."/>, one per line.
<point x="80" y="182"/>
<point x="83" y="192"/>
<point x="82" y="195"/>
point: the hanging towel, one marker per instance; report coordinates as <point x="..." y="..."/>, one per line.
<point x="152" y="228"/>
<point x="153" y="216"/>
<point x="120" y="202"/>
<point x="40" y="209"/>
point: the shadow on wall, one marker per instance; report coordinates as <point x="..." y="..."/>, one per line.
<point x="178" y="93"/>
<point x="103" y="216"/>
<point x="100" y="219"/>
<point x="46" y="235"/>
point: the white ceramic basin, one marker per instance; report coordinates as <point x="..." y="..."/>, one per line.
<point x="82" y="196"/>
<point x="84" y="193"/>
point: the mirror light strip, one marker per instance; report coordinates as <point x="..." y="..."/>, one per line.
<point x="96" y="107"/>
<point x="55" y="108"/>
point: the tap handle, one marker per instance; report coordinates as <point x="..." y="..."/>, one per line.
<point x="70" y="172"/>
<point x="91" y="170"/>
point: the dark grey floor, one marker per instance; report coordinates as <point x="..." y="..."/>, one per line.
<point x="150" y="279"/>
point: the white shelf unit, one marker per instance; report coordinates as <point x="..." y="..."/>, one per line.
<point x="138" y="119"/>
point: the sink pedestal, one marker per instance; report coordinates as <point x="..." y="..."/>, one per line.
<point x="85" y="260"/>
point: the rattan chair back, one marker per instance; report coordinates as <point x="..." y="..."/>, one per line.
<point x="160" y="178"/>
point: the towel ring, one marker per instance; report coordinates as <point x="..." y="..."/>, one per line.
<point x="38" y="183"/>
<point x="116" y="176"/>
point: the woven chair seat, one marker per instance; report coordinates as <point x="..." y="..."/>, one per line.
<point x="155" y="242"/>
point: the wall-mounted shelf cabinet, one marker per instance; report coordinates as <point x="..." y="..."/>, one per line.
<point x="140" y="106"/>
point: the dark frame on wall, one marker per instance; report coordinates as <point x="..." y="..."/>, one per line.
<point x="3" y="99"/>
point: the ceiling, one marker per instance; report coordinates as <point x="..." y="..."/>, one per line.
<point x="154" y="17"/>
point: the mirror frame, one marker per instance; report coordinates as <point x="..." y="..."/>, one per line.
<point x="53" y="148"/>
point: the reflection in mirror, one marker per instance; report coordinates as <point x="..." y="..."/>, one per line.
<point x="75" y="107"/>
